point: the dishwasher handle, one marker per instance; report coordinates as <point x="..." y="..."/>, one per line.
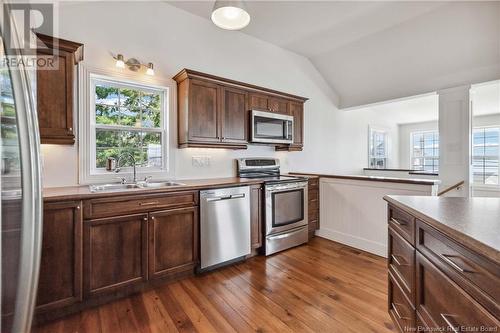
<point x="226" y="197"/>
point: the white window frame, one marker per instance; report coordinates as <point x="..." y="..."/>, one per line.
<point x="386" y="145"/>
<point x="412" y="157"/>
<point x="492" y="187"/>
<point x="88" y="173"/>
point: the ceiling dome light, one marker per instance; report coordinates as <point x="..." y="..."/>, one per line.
<point x="230" y="15"/>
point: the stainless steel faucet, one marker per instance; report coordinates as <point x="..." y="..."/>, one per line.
<point x="115" y="165"/>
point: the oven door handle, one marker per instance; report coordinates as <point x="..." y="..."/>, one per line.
<point x="285" y="234"/>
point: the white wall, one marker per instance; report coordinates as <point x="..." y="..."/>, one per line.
<point x="173" y="39"/>
<point x="335" y="141"/>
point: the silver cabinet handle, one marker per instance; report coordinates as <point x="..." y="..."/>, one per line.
<point x="394" y="307"/>
<point x="148" y="203"/>
<point x="448" y="322"/>
<point x="393" y="220"/>
<point x="450" y="262"/>
<point x="396" y="260"/>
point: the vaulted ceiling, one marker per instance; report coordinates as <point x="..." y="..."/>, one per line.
<point x="374" y="51"/>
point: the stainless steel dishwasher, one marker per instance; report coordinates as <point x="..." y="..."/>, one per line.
<point x="225" y="226"/>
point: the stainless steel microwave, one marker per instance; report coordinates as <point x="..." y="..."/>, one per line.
<point x="269" y="127"/>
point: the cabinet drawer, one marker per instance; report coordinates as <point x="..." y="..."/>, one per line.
<point x="313" y="195"/>
<point x="313" y="205"/>
<point x="313" y="214"/>
<point x="443" y="305"/>
<point x="105" y="207"/>
<point x="401" y="262"/>
<point x="400" y="309"/>
<point x="474" y="273"/>
<point x="313" y="225"/>
<point x="313" y="182"/>
<point x="403" y="223"/>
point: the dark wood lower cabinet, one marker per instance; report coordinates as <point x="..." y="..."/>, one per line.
<point x="173" y="241"/>
<point x="115" y="253"/>
<point x="256" y="216"/>
<point x="313" y="204"/>
<point x="438" y="285"/>
<point x="443" y="304"/>
<point x="60" y="280"/>
<point x="111" y="254"/>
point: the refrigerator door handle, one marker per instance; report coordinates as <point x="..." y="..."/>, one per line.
<point x="31" y="224"/>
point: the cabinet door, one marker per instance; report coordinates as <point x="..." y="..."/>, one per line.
<point x="60" y="268"/>
<point x="115" y="253"/>
<point x="278" y="105"/>
<point x="297" y="111"/>
<point x="445" y="306"/>
<point x="204" y="108"/>
<point x="258" y="102"/>
<point x="173" y="241"/>
<point x="234" y="125"/>
<point x="256" y="216"/>
<point x="55" y="99"/>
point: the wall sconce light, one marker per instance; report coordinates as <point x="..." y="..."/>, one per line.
<point x="133" y="64"/>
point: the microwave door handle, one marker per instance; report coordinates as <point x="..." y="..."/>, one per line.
<point x="286" y="130"/>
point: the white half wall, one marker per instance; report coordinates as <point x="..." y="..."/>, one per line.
<point x="353" y="212"/>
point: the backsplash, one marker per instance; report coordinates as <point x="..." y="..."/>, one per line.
<point x="216" y="162"/>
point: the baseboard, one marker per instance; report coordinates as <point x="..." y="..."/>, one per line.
<point x="367" y="245"/>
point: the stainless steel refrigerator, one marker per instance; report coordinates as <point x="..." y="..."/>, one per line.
<point x="21" y="196"/>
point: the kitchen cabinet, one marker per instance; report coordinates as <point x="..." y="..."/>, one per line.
<point x="56" y="89"/>
<point x="213" y="112"/>
<point x="115" y="253"/>
<point x="173" y="241"/>
<point x="256" y="216"/>
<point x="234" y="116"/>
<point x="436" y="283"/>
<point x="204" y="99"/>
<point x="313" y="205"/>
<point x="297" y="111"/>
<point x="60" y="276"/>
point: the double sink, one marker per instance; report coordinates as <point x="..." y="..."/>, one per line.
<point x="129" y="186"/>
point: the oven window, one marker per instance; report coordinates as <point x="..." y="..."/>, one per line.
<point x="268" y="128"/>
<point x="288" y="207"/>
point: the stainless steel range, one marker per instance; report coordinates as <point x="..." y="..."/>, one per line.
<point x="285" y="208"/>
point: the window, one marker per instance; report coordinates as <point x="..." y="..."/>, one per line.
<point x="377" y="149"/>
<point x="129" y="118"/>
<point x="425" y="151"/>
<point x="485" y="155"/>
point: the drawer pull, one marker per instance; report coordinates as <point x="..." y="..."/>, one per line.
<point x="393" y="220"/>
<point x="148" y="203"/>
<point x="450" y="262"/>
<point x="449" y="323"/>
<point x="397" y="261"/>
<point x="397" y="312"/>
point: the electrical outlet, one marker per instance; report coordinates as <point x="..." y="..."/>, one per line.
<point x="200" y="161"/>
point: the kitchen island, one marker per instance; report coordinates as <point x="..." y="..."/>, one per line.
<point x="444" y="263"/>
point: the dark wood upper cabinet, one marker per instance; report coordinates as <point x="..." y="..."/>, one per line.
<point x="115" y="253"/>
<point x="278" y="105"/>
<point x="60" y="280"/>
<point x="173" y="241"/>
<point x="55" y="89"/>
<point x="235" y="115"/>
<point x="297" y="111"/>
<point x="258" y="102"/>
<point x="203" y="112"/>
<point x="214" y="111"/>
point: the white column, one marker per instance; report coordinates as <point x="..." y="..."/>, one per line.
<point x="455" y="138"/>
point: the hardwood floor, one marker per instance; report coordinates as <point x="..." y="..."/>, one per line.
<point x="320" y="287"/>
